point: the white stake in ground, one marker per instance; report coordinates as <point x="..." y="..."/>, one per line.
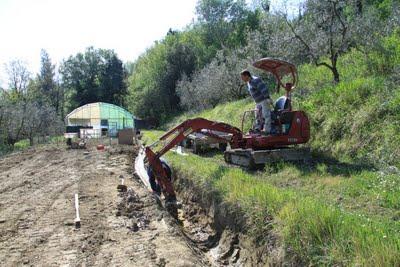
<point x="77" y="219"/>
<point x="122" y="187"/>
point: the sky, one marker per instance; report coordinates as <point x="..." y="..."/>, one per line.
<point x="66" y="27"/>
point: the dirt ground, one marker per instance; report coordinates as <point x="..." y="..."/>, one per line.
<point x="37" y="188"/>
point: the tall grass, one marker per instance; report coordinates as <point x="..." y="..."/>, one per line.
<point x="314" y="231"/>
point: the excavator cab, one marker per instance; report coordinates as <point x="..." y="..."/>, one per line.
<point x="280" y="118"/>
<point x="289" y="127"/>
<point x="281" y="111"/>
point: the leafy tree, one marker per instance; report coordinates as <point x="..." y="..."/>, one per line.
<point x="216" y="83"/>
<point x="381" y="43"/>
<point x="145" y="98"/>
<point x="26" y="118"/>
<point x="225" y="22"/>
<point x="323" y="31"/>
<point x="180" y="60"/>
<point x="112" y="81"/>
<point x="18" y="77"/>
<point x="12" y="122"/>
<point x="152" y="85"/>
<point x="93" y="76"/>
<point x="49" y="91"/>
<point x="40" y="120"/>
<point x="263" y="4"/>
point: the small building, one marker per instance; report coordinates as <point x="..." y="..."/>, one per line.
<point x="101" y="119"/>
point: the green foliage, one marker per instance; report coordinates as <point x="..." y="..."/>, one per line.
<point x="384" y="7"/>
<point x="20" y="145"/>
<point x="218" y="82"/>
<point x="23" y="144"/>
<point x="93" y="76"/>
<point x="46" y="90"/>
<point x="225" y="22"/>
<point x="385" y="58"/>
<point x="222" y="25"/>
<point x="152" y="93"/>
<point x="145" y="98"/>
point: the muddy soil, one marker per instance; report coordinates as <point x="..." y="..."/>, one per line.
<point x="128" y="228"/>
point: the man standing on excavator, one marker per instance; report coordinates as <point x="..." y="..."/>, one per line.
<point x="260" y="93"/>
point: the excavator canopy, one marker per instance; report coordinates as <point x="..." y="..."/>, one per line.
<point x="278" y="68"/>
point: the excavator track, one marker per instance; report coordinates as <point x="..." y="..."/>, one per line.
<point x="254" y="159"/>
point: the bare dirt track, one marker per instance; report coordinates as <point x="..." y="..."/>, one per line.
<point x="37" y="188"/>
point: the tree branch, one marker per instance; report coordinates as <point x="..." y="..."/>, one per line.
<point x="298" y="37"/>
<point x="344" y="27"/>
<point x="318" y="64"/>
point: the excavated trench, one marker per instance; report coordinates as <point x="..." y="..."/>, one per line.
<point x="220" y="230"/>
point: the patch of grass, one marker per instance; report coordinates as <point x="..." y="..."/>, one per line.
<point x="23" y="144"/>
<point x="150" y="136"/>
<point x="57" y="139"/>
<point x="229" y="113"/>
<point x="324" y="235"/>
<point x="315" y="229"/>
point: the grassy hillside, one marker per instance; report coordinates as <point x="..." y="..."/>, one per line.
<point x="357" y="120"/>
<point x="343" y="207"/>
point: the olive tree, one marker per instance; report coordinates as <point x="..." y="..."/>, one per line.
<point x="40" y="120"/>
<point x="12" y="121"/>
<point x="322" y="31"/>
<point x="26" y="120"/>
<point x="217" y="82"/>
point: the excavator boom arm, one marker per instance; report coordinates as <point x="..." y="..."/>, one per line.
<point x="178" y="134"/>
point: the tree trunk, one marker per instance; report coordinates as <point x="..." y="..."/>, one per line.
<point x="335" y="72"/>
<point x="359" y="7"/>
<point x="336" y="77"/>
<point x="11" y="141"/>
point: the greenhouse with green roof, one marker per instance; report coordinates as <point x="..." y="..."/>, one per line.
<point x="101" y="117"/>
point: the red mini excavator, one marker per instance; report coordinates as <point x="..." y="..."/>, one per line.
<point x="245" y="149"/>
